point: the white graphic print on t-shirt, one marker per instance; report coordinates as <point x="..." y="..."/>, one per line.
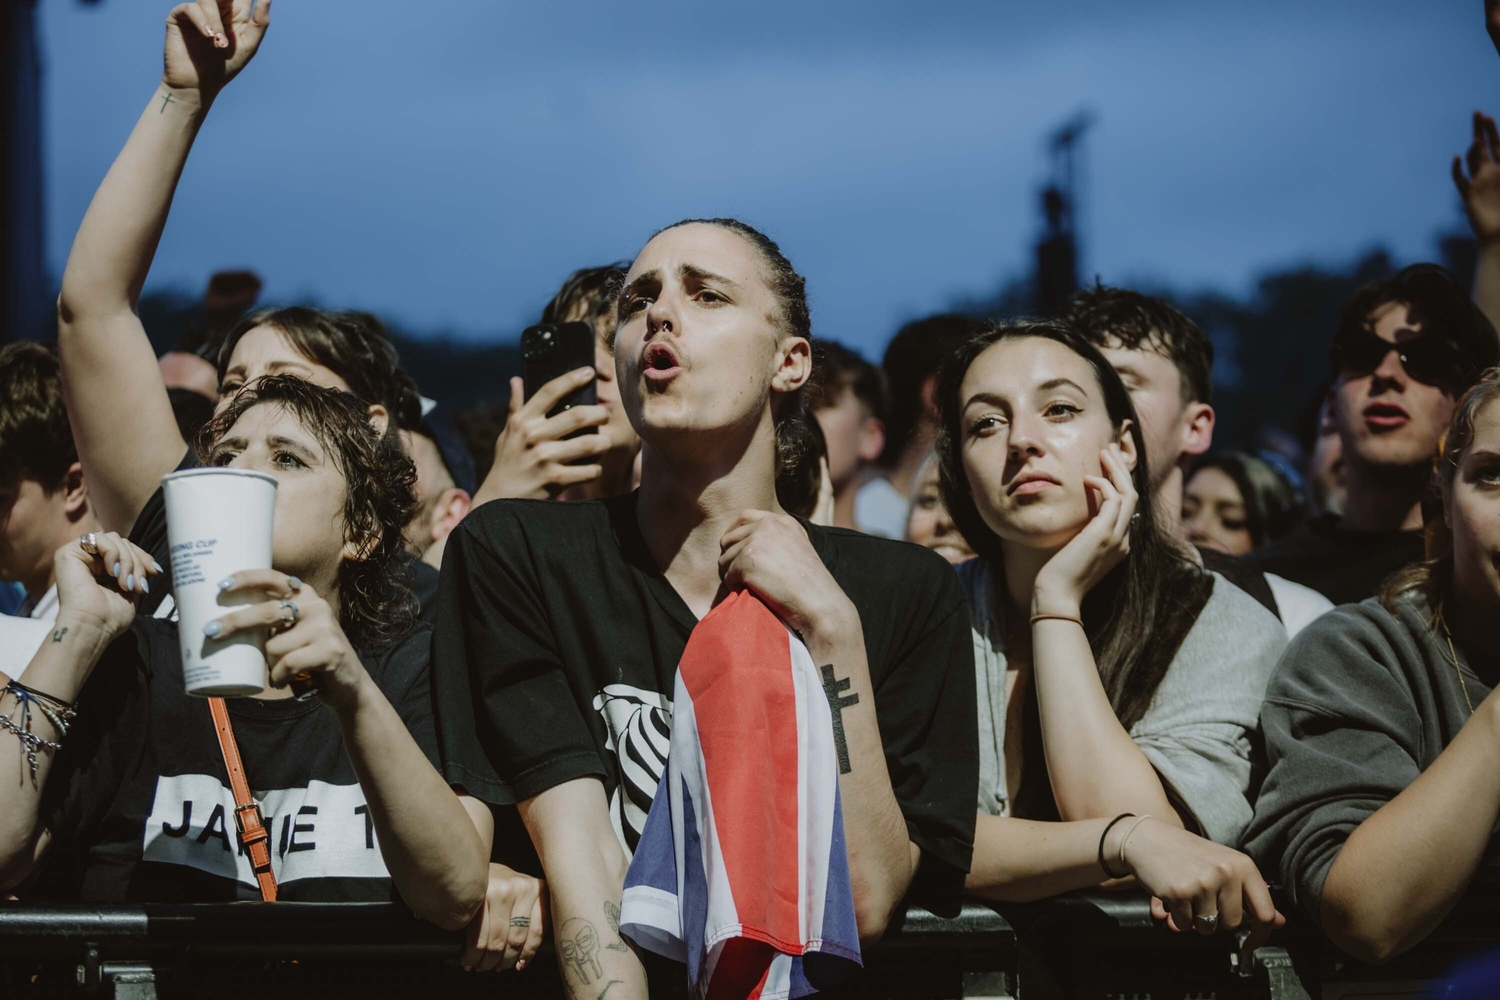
<point x="321" y="831"/>
<point x="640" y="733"/>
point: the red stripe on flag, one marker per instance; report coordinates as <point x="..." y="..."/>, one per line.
<point x="737" y="670"/>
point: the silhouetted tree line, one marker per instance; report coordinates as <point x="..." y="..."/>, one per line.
<point x="1271" y="348"/>
<point x="1271" y="362"/>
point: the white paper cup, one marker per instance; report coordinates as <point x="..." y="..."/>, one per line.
<point x="218" y="523"/>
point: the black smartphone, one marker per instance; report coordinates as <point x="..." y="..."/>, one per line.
<point x="554" y="349"/>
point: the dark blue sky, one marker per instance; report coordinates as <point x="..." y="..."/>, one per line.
<point x="446" y="163"/>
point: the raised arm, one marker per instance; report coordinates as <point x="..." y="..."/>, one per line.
<point x="585" y="866"/>
<point x="95" y="605"/>
<point x="122" y="420"/>
<point x="1480" y="190"/>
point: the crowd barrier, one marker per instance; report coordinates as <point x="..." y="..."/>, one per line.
<point x="1086" y="945"/>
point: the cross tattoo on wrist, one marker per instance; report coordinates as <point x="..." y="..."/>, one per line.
<point x="834" y="688"/>
<point x="165" y="100"/>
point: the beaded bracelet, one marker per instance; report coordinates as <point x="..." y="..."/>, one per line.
<point x="55" y="710"/>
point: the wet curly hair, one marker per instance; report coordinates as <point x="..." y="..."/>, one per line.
<point x="376" y="605"/>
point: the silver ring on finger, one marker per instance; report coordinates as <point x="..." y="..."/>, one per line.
<point x="289" y="614"/>
<point x="1206" y="922"/>
<point x="89" y="543"/>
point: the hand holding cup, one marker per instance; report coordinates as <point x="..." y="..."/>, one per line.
<point x="306" y="645"/>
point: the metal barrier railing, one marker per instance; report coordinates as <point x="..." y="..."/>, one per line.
<point x="1079" y="945"/>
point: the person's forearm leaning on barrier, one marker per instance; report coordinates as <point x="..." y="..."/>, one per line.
<point x="1405" y="867"/>
<point x="585" y="866"/>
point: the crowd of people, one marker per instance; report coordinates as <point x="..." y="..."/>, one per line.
<point x="1127" y="660"/>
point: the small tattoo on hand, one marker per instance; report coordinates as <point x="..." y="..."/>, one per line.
<point x="520" y="921"/>
<point x="57" y="636"/>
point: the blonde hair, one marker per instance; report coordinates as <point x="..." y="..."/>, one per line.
<point x="1433" y="577"/>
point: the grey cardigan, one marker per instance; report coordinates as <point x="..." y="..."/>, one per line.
<point x="1196" y="732"/>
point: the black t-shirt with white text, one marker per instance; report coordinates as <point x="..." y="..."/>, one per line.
<point x="150" y="533"/>
<point x="139" y="801"/>
<point x="558" y="641"/>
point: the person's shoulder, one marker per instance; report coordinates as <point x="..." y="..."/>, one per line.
<point x="867" y="549"/>
<point x="1233" y="630"/>
<point x="500" y="521"/>
<point x="1246" y="577"/>
<point x="399" y="663"/>
<point x="1346" y="650"/>
<point x="154" y="638"/>
<point x="1237" y="609"/>
<point x="878" y="565"/>
<point x="1289" y="592"/>
<point x="1297" y="544"/>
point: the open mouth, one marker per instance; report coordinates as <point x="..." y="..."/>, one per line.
<point x="1385" y="416"/>
<point x="660" y="362"/>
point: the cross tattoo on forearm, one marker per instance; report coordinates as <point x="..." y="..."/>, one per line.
<point x="165" y="100"/>
<point x="834" y="688"/>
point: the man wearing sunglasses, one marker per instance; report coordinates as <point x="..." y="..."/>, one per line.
<point x="1405" y="350"/>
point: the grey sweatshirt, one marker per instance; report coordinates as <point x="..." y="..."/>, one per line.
<point x="1196" y="732"/>
<point x="1363" y="702"/>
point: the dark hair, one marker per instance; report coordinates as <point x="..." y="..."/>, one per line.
<point x="589" y="295"/>
<point x="353" y="345"/>
<point x="375" y="605"/>
<point x="1111" y="317"/>
<point x="1434" y="576"/>
<point x="1139" y="614"/>
<point x="838" y="369"/>
<point x="913" y="356"/>
<point x="797" y="487"/>
<point x="191" y="409"/>
<point x="795" y="444"/>
<point x="1439" y="304"/>
<point x="36" y="439"/>
<point x="1272" y="507"/>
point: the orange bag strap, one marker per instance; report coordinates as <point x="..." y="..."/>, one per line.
<point x="247" y="815"/>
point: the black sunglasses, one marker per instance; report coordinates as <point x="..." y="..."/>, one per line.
<point x="1430" y="359"/>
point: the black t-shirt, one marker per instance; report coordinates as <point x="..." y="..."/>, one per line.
<point x="558" y="641"/>
<point x="1344" y="566"/>
<point x="139" y="801"/>
<point x="150" y="533"/>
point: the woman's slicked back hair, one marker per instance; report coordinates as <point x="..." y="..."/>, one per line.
<point x="796" y="445"/>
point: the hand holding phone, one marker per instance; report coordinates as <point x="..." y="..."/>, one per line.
<point x="551" y="426"/>
<point x="552" y="350"/>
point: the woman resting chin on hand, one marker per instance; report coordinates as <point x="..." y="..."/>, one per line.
<point x="1111" y="667"/>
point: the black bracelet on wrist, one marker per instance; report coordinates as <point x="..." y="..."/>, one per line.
<point x="1102" y="837"/>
